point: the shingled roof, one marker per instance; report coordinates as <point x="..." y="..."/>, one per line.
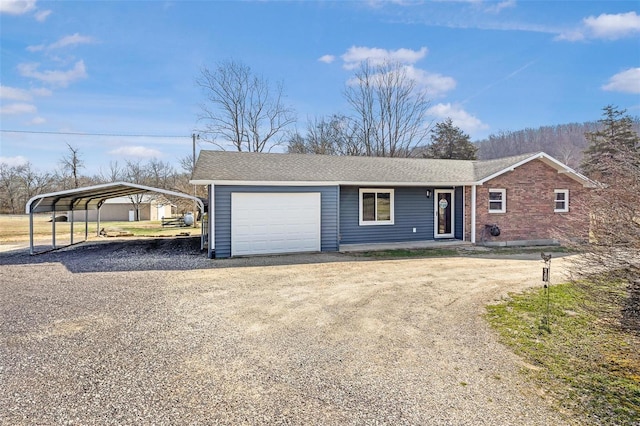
<point x="226" y="167"/>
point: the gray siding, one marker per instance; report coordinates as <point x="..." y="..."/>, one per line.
<point x="329" y="214"/>
<point x="412" y="210"/>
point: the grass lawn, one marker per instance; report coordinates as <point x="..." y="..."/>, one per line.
<point x="584" y="360"/>
<point x="15" y="228"/>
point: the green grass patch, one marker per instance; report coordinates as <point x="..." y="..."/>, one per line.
<point x="525" y="250"/>
<point x="402" y="253"/>
<point x="448" y="252"/>
<point x="583" y="358"/>
<point x="150" y="228"/>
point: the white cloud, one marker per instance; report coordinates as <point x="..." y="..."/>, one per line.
<point x="14" y="161"/>
<point x="327" y="59"/>
<point x="498" y="7"/>
<point x="36" y="48"/>
<point x="613" y="26"/>
<point x="435" y="84"/>
<point x="56" y="78"/>
<point x="42" y="15"/>
<point x="136" y="151"/>
<point x="627" y="81"/>
<point x="18" y="108"/>
<point x="37" y="121"/>
<point x="16" y="94"/>
<point x="605" y="26"/>
<point x="70" y="40"/>
<point x="41" y="92"/>
<point x="460" y="118"/>
<point x="17" y="7"/>
<point x="570" y="35"/>
<point x="355" y="55"/>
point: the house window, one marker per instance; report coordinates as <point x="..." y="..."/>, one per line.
<point x="376" y="206"/>
<point x="497" y="200"/>
<point x="561" y="200"/>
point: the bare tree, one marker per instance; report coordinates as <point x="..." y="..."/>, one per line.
<point x="72" y="163"/>
<point x="10" y="188"/>
<point x="160" y="174"/>
<point x="335" y="135"/>
<point x="390" y="110"/>
<point x="613" y="252"/>
<point x="114" y="173"/>
<point x="243" y="110"/>
<point x="34" y="182"/>
<point x="136" y="172"/>
<point x="186" y="164"/>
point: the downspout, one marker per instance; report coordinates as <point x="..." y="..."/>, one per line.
<point x="473" y="214"/>
<point x="212" y="220"/>
<point x="464" y="216"/>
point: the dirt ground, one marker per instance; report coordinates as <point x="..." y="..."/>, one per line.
<point x="126" y="334"/>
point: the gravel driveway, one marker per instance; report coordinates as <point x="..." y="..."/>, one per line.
<point x="140" y="333"/>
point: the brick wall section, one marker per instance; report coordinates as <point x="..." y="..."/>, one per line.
<point x="530" y="204"/>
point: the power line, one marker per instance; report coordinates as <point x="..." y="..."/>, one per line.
<point x="93" y="134"/>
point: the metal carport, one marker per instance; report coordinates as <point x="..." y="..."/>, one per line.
<point x="92" y="198"/>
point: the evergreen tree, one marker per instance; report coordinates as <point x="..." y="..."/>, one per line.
<point x="615" y="137"/>
<point x="450" y="142"/>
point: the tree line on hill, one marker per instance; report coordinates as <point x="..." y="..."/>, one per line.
<point x="565" y="142"/>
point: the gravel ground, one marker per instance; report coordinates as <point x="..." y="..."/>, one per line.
<point x="149" y="332"/>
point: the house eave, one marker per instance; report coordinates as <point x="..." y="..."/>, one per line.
<point x="550" y="161"/>
<point x="328" y="183"/>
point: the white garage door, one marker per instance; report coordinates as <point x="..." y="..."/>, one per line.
<point x="265" y="223"/>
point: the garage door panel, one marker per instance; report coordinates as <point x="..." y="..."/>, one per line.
<point x="265" y="223"/>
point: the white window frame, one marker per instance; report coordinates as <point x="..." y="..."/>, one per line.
<point x="565" y="201"/>
<point x="391" y="206"/>
<point x="503" y="202"/>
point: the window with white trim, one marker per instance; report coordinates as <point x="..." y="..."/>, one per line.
<point x="497" y="201"/>
<point x="376" y="206"/>
<point x="561" y="200"/>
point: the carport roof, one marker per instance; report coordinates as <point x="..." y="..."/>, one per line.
<point x="92" y="197"/>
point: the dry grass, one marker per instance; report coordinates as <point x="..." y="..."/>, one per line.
<point x="15" y="228"/>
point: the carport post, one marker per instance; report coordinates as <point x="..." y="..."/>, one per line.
<point x="53" y="228"/>
<point x="30" y="231"/>
<point x="98" y="221"/>
<point x="86" y="225"/>
<point x="72" y="224"/>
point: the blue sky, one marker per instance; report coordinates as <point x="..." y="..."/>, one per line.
<point x="129" y="67"/>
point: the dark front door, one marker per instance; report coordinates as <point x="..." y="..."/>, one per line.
<point x="444" y="213"/>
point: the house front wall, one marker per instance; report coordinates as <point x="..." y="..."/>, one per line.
<point x="222" y="213"/>
<point x="413" y="216"/>
<point x="529" y="215"/>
